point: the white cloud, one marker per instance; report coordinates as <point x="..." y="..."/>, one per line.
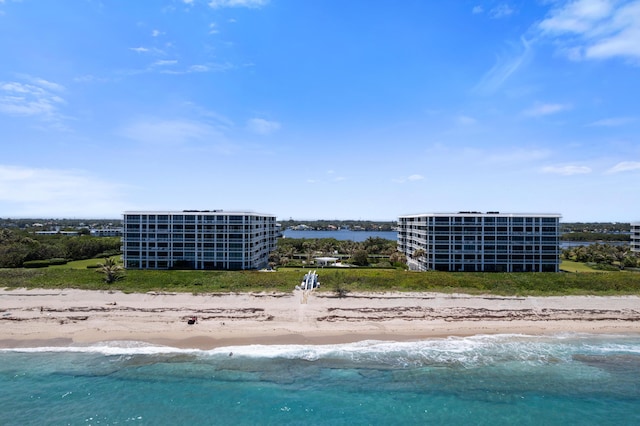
<point x="501" y="11"/>
<point x="567" y="170"/>
<point x="43" y="192"/>
<point x="411" y="178"/>
<point x="38" y="99"/>
<point x="163" y="63"/>
<point x="215" y="4"/>
<point x="505" y="67"/>
<point x="139" y="49"/>
<point x="171" y="132"/>
<point x="199" y="68"/>
<point x="213" y="28"/>
<point x="579" y="16"/>
<point x="624" y="166"/>
<point x="613" y="122"/>
<point x="156" y="33"/>
<point x="262" y="126"/>
<point x="465" y="120"/>
<point x="49" y="85"/>
<point x="518" y="156"/>
<point x="546" y="109"/>
<point x="595" y="29"/>
<point x="477" y="9"/>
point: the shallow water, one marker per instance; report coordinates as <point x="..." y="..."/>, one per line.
<point x="503" y="379"/>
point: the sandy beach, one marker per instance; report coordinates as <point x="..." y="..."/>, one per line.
<point x="77" y="317"/>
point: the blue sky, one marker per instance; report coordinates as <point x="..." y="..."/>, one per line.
<point x="320" y="109"/>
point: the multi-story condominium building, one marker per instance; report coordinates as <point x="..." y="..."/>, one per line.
<point x="207" y="239"/>
<point x="473" y="241"/>
<point x="635" y="237"/>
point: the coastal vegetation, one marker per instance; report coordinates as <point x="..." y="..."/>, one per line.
<point x="18" y="248"/>
<point x="346" y="280"/>
<point x="53" y="261"/>
<point x="374" y="251"/>
<point x="603" y="256"/>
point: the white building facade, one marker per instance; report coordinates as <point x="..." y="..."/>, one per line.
<point x="481" y="242"/>
<point x="635" y="237"/>
<point x="197" y="239"/>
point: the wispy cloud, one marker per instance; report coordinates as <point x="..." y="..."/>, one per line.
<point x="543" y="109"/>
<point x="163" y="63"/>
<point x="151" y="50"/>
<point x="613" y="122"/>
<point x="171" y="132"/>
<point x="36" y="98"/>
<point x="595" y="29"/>
<point x="169" y="67"/>
<point x="199" y="68"/>
<point x="39" y="192"/>
<point x="262" y="126"/>
<point x="501" y="11"/>
<point x="215" y="4"/>
<point x="465" y="120"/>
<point x="624" y="166"/>
<point x="477" y="10"/>
<point x="518" y="156"/>
<point x="411" y="178"/>
<point x="568" y="170"/>
<point x="506" y="65"/>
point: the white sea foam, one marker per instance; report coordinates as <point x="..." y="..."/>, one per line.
<point x="463" y="351"/>
<point x="115" y="347"/>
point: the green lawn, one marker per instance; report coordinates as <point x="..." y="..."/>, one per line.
<point x="83" y="264"/>
<point x="571" y="266"/>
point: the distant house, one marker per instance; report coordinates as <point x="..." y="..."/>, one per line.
<point x="474" y="241"/>
<point x="301" y="227"/>
<point x="65" y="233"/>
<point x="635" y="237"/>
<point x="106" y="232"/>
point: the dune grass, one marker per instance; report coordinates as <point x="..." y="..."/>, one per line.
<point x="74" y="275"/>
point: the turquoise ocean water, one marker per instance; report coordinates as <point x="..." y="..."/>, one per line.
<point x="482" y="380"/>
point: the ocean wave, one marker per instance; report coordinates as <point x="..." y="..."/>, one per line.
<point x="464" y="352"/>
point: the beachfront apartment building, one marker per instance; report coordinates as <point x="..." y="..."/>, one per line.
<point x="474" y="241"/>
<point x="635" y="237"/>
<point x="197" y="239"/>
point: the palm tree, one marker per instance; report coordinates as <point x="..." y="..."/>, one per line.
<point x="418" y="253"/>
<point x="111" y="270"/>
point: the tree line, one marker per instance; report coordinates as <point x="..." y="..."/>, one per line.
<point x="18" y="247"/>
<point x="604" y="256"/>
<point x="373" y="251"/>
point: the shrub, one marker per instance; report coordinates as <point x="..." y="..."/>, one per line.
<point x="36" y="264"/>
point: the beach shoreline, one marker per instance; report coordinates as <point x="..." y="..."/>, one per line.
<point x="69" y="317"/>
